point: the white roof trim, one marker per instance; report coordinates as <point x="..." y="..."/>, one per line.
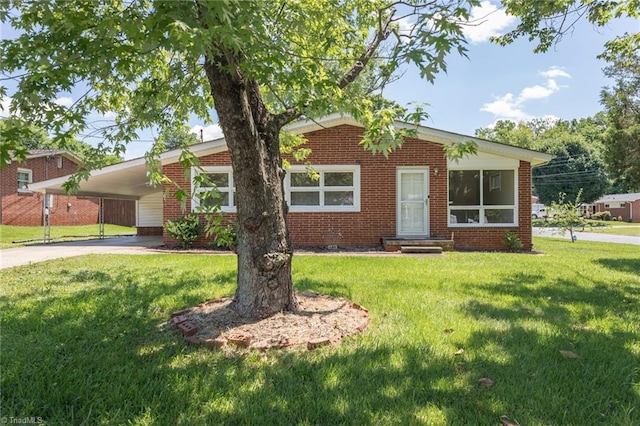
<point x="428" y="134"/>
<point x="70" y="155"/>
<point x="129" y="178"/>
<point x="627" y="198"/>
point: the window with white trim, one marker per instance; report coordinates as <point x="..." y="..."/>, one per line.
<point x="483" y="197"/>
<point x="220" y="178"/>
<point x="336" y="189"/>
<point x="25" y="177"/>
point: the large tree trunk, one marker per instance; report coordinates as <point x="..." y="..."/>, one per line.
<point x="264" y="250"/>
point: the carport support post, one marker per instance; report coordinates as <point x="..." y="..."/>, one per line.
<point x="45" y="220"/>
<point x="101" y="217"/>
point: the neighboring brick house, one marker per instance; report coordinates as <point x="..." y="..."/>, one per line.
<point x="21" y="206"/>
<point x="361" y="199"/>
<point x="625" y="206"/>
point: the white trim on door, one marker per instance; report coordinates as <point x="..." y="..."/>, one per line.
<point x="412" y="205"/>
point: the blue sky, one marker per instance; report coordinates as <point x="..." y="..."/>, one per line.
<point x="494" y="82"/>
<point x="512" y="82"/>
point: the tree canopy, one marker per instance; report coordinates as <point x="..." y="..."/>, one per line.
<point x="177" y="138"/>
<point x="23" y="137"/>
<point x="578" y="166"/>
<point x="622" y="105"/>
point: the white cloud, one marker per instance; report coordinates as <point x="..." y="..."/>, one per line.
<point x="538" y="92"/>
<point x="555" y="72"/>
<point x="506" y="107"/>
<point x="486" y="21"/>
<point x="5" y="104"/>
<point x="64" y="101"/>
<point x="405" y="26"/>
<point x="510" y="107"/>
<point x="208" y="133"/>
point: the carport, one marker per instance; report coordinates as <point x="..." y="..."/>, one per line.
<point x="123" y="181"/>
<point x="126" y="181"/>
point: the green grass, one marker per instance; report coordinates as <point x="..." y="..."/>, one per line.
<point x="9" y="234"/>
<point x="617" y="228"/>
<point x="600" y="227"/>
<point x="82" y="342"/>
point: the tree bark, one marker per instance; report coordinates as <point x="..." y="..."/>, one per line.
<point x="265" y="285"/>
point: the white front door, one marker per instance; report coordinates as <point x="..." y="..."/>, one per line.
<point x="412" y="201"/>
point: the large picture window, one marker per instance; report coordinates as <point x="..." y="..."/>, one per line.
<point x="337" y="188"/>
<point x="482" y="197"/>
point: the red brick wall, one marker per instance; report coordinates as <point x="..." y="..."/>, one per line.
<point x="377" y="217"/>
<point x="25" y="208"/>
<point x="149" y="230"/>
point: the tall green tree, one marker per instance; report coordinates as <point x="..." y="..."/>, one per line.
<point x="177" y="138"/>
<point x="18" y="137"/>
<point x="622" y="105"/>
<point x="260" y="64"/>
<point x="547" y="22"/>
<point x="578" y="166"/>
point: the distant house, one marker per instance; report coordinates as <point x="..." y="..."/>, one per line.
<point x="360" y="200"/>
<point x="625" y="206"/>
<point x="21" y="206"/>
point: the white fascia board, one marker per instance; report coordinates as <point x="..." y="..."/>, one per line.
<point x="444" y="137"/>
<point x="428" y="134"/>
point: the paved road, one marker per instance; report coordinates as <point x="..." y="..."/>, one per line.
<point x="38" y="253"/>
<point x="587" y="236"/>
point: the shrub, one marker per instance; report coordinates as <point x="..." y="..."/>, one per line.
<point x="512" y="241"/>
<point x="224" y="236"/>
<point x="605" y="215"/>
<point x="186" y="229"/>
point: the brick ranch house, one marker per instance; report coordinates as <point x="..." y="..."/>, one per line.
<point x="362" y="199"/>
<point x="625" y="206"/>
<point x="22" y="206"/>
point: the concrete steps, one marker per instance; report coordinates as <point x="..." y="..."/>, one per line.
<point x="416" y="245"/>
<point x="421" y="249"/>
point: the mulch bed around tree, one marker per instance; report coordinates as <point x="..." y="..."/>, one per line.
<point x="321" y="320"/>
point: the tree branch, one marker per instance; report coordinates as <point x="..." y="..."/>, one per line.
<point x="382" y="34"/>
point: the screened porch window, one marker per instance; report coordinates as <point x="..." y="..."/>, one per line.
<point x="482" y="197"/>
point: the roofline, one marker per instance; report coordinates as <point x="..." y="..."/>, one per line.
<point x="167" y="157"/>
<point x="630" y="197"/>
<point x="429" y="134"/>
<point x="70" y="155"/>
<point x="309" y="125"/>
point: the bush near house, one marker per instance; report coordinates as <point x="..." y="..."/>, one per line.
<point x="185" y="229"/>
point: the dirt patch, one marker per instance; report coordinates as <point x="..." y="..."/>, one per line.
<point x="320" y="320"/>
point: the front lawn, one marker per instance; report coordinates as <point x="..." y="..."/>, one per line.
<point x="15" y="236"/>
<point x="598" y="226"/>
<point x="82" y="342"/>
<point x="623" y="228"/>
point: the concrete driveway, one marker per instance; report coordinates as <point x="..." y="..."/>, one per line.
<point x="38" y="253"/>
<point x="587" y="236"/>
